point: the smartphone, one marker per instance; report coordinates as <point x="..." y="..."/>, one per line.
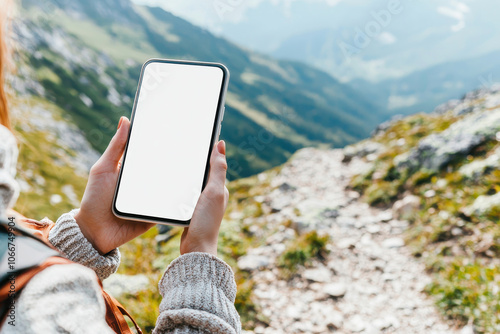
<point x="175" y="123"/>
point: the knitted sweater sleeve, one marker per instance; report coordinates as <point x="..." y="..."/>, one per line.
<point x="67" y="237"/>
<point x="198" y="291"/>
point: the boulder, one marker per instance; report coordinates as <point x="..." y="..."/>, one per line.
<point x="335" y="290"/>
<point x="253" y="262"/>
<point x="386" y="125"/>
<point x="406" y="208"/>
<point x="483" y="205"/>
<point x="356" y="324"/>
<point x="320" y="275"/>
<point x="313" y="214"/>
<point x="437" y="150"/>
<point x="361" y="149"/>
<point x="384" y="216"/>
<point x="393" y="243"/>
<point x="335" y="320"/>
<point x="477" y="168"/>
<point x="445" y="107"/>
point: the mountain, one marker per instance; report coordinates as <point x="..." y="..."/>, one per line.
<point x="378" y="43"/>
<point x="87" y="57"/>
<point x="424" y="89"/>
<point x="406" y="65"/>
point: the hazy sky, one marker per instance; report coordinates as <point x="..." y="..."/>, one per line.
<point x="213" y="13"/>
<point x="264" y="24"/>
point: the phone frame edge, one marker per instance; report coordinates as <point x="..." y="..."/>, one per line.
<point x="215" y="134"/>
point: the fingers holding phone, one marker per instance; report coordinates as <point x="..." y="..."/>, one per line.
<point x="202" y="233"/>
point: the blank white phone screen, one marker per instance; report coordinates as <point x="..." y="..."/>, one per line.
<point x="170" y="139"/>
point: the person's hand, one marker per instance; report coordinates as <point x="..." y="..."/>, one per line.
<point x="203" y="232"/>
<point x="96" y="220"/>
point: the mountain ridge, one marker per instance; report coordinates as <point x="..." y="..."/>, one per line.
<point x="320" y="110"/>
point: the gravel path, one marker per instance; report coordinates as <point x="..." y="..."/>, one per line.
<point x="370" y="283"/>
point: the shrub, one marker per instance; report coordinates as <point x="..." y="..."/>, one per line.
<point x="469" y="291"/>
<point x="301" y="251"/>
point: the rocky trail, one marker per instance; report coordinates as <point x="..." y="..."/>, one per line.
<point x="370" y="283"/>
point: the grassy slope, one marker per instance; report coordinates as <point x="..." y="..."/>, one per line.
<point x="466" y="276"/>
<point x="43" y="165"/>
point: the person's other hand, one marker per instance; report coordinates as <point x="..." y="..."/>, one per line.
<point x="203" y="232"/>
<point x="96" y="220"/>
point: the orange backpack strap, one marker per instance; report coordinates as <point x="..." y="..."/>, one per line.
<point x="24" y="277"/>
<point x="115" y="315"/>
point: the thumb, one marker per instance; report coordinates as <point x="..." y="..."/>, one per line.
<point x="116" y="147"/>
<point x="218" y="166"/>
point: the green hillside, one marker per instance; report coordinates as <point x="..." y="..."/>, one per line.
<point x="88" y="54"/>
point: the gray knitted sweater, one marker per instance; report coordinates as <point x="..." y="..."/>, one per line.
<point x="198" y="289"/>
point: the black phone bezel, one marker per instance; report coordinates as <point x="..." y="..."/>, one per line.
<point x="215" y="133"/>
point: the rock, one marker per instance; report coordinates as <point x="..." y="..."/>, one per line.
<point x="438" y="149"/>
<point x="487" y="241"/>
<point x="346" y="243"/>
<point x="382" y="323"/>
<point x="163" y="238"/>
<point x="286" y="187"/>
<point x="331" y="213"/>
<point x="406" y="208"/>
<point x="483" y="205"/>
<point x="55" y="199"/>
<point x="393" y="243"/>
<point x="364" y="221"/>
<point x="278" y="203"/>
<point x="361" y="149"/>
<point x="321" y="275"/>
<point x="118" y="285"/>
<point x="69" y="191"/>
<point x="430" y="193"/>
<point x="447" y="106"/>
<point x="346" y="221"/>
<point x="469" y="329"/>
<point x="335" y="290"/>
<point x="373" y="229"/>
<point x="356" y="324"/>
<point x="477" y="168"/>
<point x="335" y="320"/>
<point x="163" y="229"/>
<point x="312" y="214"/>
<point x="386" y="125"/>
<point x="293" y="312"/>
<point x="353" y="194"/>
<point x="385" y="216"/>
<point x="403" y="224"/>
<point x="253" y="262"/>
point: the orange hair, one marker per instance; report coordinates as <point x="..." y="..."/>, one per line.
<point x="4" y="107"/>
